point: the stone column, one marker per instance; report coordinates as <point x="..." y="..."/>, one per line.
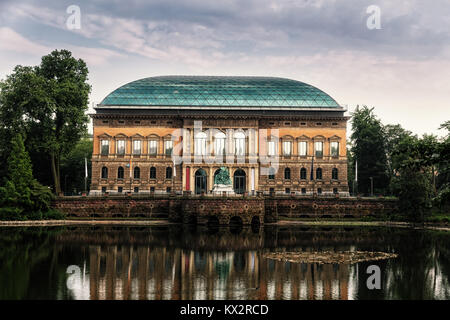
<point x="252" y="180"/>
<point x="210" y="179"/>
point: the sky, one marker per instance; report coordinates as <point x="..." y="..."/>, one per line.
<point x="390" y="55"/>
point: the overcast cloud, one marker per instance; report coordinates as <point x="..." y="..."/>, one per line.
<point x="403" y="70"/>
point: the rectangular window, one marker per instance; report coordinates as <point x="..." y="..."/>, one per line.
<point x="303" y="190"/>
<point x="137" y="147"/>
<point x="240" y="146"/>
<point x="200" y="146"/>
<point x="287" y="148"/>
<point x="334" y="149"/>
<point x="168" y="189"/>
<point x="136" y="189"/>
<point x="220" y="146"/>
<point x="318" y="147"/>
<point x="121" y="147"/>
<point x="119" y="189"/>
<point x="302" y="148"/>
<point x="152" y="189"/>
<point x="271" y="148"/>
<point x="153" y="147"/>
<point x="105" y="147"/>
<point x="288" y="190"/>
<point x="168" y="146"/>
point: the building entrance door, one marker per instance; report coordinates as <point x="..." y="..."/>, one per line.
<point x="200" y="181"/>
<point x="239" y="181"/>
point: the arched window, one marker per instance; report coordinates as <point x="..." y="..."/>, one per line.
<point x="334" y="174"/>
<point x="120" y="173"/>
<point x="287" y="173"/>
<point x="104" y="172"/>
<point x="271" y="173"/>
<point x="219" y="143"/>
<point x="319" y="173"/>
<point x="303" y="173"/>
<point x="137" y="173"/>
<point x="168" y="173"/>
<point x="200" y="144"/>
<point x="152" y="173"/>
<point x="239" y="143"/>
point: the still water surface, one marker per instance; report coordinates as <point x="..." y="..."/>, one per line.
<point x="187" y="262"/>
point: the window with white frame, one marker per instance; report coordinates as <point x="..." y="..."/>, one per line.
<point x="271" y="148"/>
<point x="303" y="148"/>
<point x="239" y="143"/>
<point x="168" y="147"/>
<point x="137" y="147"/>
<point x="153" y="147"/>
<point x="121" y="147"/>
<point x="200" y="144"/>
<point x="287" y="148"/>
<point x="219" y="143"/>
<point x="318" y="148"/>
<point x="104" y="147"/>
<point x="334" y="149"/>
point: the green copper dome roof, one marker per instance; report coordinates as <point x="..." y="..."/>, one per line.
<point x="220" y="92"/>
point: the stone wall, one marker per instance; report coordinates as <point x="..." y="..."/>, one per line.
<point x="222" y="210"/>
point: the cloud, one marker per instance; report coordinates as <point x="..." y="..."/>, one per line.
<point x="12" y="41"/>
<point x="323" y="42"/>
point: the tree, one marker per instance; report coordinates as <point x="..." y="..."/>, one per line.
<point x="73" y="166"/>
<point x="393" y="136"/>
<point x="369" y="150"/>
<point x="442" y="198"/>
<point x="414" y="162"/>
<point x="21" y="193"/>
<point x="49" y="103"/>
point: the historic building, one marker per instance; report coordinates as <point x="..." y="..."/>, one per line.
<point x="174" y="133"/>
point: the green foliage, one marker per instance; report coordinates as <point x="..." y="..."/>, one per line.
<point x="368" y="148"/>
<point x="22" y="196"/>
<point x="73" y="167"/>
<point x="414" y="192"/>
<point x="413" y="162"/>
<point x="417" y="170"/>
<point x="47" y="103"/>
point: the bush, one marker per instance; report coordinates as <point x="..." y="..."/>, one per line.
<point x="36" y="215"/>
<point x="53" y="214"/>
<point x="11" y="213"/>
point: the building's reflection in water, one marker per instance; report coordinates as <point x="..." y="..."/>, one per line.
<point x="154" y="273"/>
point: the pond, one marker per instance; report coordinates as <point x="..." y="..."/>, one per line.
<point x="200" y="263"/>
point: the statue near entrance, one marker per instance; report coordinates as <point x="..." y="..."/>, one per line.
<point x="222" y="182"/>
<point x="222" y="177"/>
